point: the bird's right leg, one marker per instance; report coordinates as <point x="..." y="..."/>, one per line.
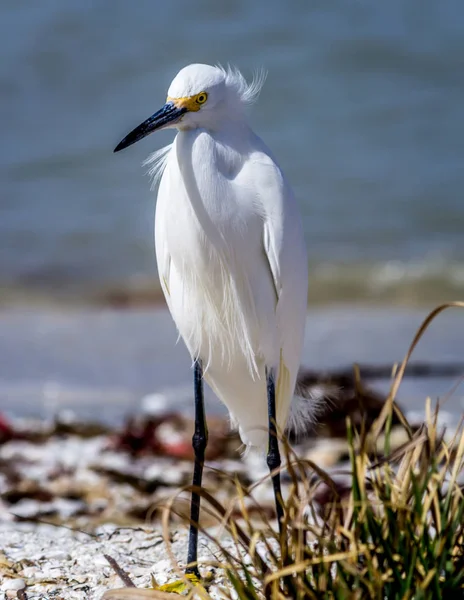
<point x="199" y="442"/>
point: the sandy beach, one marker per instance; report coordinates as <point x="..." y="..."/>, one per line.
<point x="73" y="493"/>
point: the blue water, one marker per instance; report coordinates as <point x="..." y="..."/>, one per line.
<point x="363" y="106"/>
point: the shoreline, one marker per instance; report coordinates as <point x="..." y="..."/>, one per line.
<point x="108" y="361"/>
<point x="388" y="284"/>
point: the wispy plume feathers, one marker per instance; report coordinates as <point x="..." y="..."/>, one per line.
<point x="157" y="163"/>
<point x="247" y="92"/>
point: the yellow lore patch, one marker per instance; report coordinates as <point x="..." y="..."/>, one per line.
<point x="191" y="103"/>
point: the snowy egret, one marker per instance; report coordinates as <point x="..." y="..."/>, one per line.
<point x="231" y="260"/>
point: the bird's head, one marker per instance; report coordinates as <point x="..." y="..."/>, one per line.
<point x="200" y="96"/>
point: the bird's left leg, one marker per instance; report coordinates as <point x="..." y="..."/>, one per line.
<point x="273" y="454"/>
<point x="199" y="442"/>
<point x="274" y="462"/>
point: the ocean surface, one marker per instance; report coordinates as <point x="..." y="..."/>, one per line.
<point x="363" y="107"/>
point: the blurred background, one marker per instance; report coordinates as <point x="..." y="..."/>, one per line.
<point x="364" y="109"/>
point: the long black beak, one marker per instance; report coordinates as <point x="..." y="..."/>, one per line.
<point x="170" y="113"/>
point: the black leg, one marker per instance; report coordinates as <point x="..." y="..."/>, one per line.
<point x="199" y="441"/>
<point x="273" y="454"/>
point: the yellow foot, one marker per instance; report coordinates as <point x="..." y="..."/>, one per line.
<point x="132" y="593"/>
<point x="180" y="585"/>
<point x="160" y="592"/>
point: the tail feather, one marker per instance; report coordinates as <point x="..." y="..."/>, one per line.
<point x="307" y="405"/>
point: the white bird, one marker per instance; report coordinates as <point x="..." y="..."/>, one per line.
<point x="231" y="259"/>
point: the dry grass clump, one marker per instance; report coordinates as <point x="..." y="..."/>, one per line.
<point x="395" y="531"/>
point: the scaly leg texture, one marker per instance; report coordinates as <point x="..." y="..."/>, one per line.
<point x="273" y="455"/>
<point x="273" y="462"/>
<point x="199" y="442"/>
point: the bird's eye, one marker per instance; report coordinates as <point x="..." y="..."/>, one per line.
<point x="201" y="98"/>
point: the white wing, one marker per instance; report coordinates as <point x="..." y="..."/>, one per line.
<point x="285" y="251"/>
